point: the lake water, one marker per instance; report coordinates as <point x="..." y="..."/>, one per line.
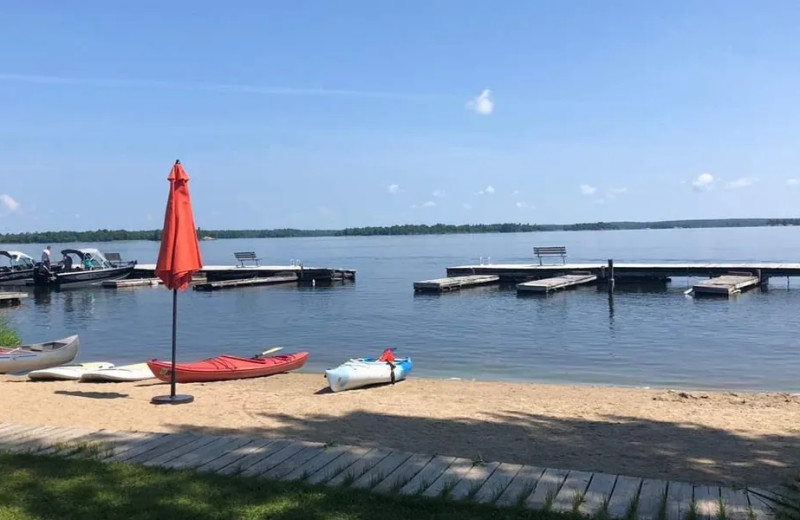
<point x="648" y="336"/>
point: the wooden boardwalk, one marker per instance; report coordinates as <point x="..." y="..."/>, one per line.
<point x="247" y="282"/>
<point x="546" y="285"/>
<point x="388" y="471"/>
<point x="454" y="283"/>
<point x="11" y="298"/>
<point x="726" y="285"/>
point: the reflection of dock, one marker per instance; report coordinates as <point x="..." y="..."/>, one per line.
<point x="11" y="298"/>
<point x="556" y="283"/>
<point x="726" y="285"/>
<point x="248" y="282"/>
<point x="219" y="273"/>
<point x="454" y="283"/>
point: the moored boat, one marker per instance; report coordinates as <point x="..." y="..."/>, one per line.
<point x="19" y="269"/>
<point x="137" y="372"/>
<point x="224" y="368"/>
<point x="360" y="372"/>
<point x="38" y="355"/>
<point x="81" y="268"/>
<point x="67" y="372"/>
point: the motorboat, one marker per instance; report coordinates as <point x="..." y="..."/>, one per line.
<point x="81" y="268"/>
<point x="18" y="270"/>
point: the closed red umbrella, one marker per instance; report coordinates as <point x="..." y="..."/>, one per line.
<point x="178" y="258"/>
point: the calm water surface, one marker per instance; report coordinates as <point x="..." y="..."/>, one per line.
<point x="646" y="336"/>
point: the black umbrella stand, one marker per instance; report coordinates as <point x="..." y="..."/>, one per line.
<point x="173" y="398"/>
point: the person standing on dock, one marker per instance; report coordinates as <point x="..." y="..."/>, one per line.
<point x="46" y="257"/>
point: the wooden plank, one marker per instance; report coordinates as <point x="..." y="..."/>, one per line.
<point x="725" y="285"/>
<point x="449" y="477"/>
<point x="173" y="454"/>
<point x="403" y="474"/>
<point x="142" y="439"/>
<point x="295" y="461"/>
<point x="232" y="457"/>
<point x="521" y="487"/>
<point x="737" y="507"/>
<point x="64" y="435"/>
<point x="31" y="438"/>
<point x="207" y="453"/>
<point x="556" y="283"/>
<point x="254" y="456"/>
<point x="454" y="283"/>
<point x="171" y="442"/>
<point x="132" y="282"/>
<point x="706" y="500"/>
<point x="361" y="466"/>
<point x="427" y="475"/>
<point x="761" y="508"/>
<point x="651" y="499"/>
<point x="679" y="500"/>
<point x="351" y="455"/>
<point x="597" y="494"/>
<point x="10" y="435"/>
<point x="12" y="298"/>
<point x="246" y="282"/>
<point x="571" y="491"/>
<point x="547" y="488"/>
<point x="496" y="485"/>
<point x="141" y="447"/>
<point x="328" y="456"/>
<point x="275" y="458"/>
<point x="381" y="470"/>
<point x="473" y="480"/>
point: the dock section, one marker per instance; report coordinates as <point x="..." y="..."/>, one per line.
<point x="11" y="298"/>
<point x="248" y="282"/>
<point x="131" y="282"/>
<point x="726" y="285"/>
<point x="454" y="283"/>
<point x="547" y="285"/>
<point x="219" y="273"/>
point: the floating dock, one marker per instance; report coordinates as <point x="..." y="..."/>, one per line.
<point x="454" y="283"/>
<point x="726" y="285"/>
<point x="131" y="282"/>
<point x="12" y="298"/>
<point x="248" y="282"/>
<point x="547" y="285"/>
<point x="219" y="273"/>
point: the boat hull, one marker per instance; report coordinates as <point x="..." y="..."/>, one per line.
<point x="43" y="277"/>
<point x="130" y="373"/>
<point x="226" y="368"/>
<point x="20" y="277"/>
<point x="39" y="355"/>
<point x="361" y="372"/>
<point x="66" y="372"/>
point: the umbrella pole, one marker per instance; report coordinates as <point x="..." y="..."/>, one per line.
<point x="172" y="398"/>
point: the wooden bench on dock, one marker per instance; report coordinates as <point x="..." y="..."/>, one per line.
<point x="246" y="256"/>
<point x="551" y="251"/>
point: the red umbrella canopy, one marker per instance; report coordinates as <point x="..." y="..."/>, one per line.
<point x="179" y="256"/>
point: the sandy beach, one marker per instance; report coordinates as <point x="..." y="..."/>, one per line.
<point x="716" y="437"/>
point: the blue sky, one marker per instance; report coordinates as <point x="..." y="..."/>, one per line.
<point x="331" y="114"/>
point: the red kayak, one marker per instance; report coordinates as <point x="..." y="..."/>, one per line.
<point x="224" y="368"/>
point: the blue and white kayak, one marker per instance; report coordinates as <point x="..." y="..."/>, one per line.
<point x="360" y="372"/>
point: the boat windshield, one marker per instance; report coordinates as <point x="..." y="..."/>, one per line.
<point x="17" y="260"/>
<point x="97" y="258"/>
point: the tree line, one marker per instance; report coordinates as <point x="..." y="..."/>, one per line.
<point x="109" y="235"/>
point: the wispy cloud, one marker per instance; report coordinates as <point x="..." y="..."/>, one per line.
<point x="439" y="194"/>
<point x="8" y="203"/>
<point x="524" y="205"/>
<point x="482" y="104"/>
<point x="618" y="191"/>
<point x="742" y="182"/>
<point x="792" y="182"/>
<point x="467" y="205"/>
<point x="428" y="204"/>
<point x="515" y="193"/>
<point x="703" y="182"/>
<point x="586" y="189"/>
<point x="394" y="188"/>
<point x="488" y="190"/>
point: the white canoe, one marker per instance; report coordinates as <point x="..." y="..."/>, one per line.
<point x="38" y="355"/>
<point x="67" y="372"/>
<point x="366" y="371"/>
<point x="138" y="372"/>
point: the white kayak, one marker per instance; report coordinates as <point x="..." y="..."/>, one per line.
<point x="67" y="372"/>
<point x="138" y="372"/>
<point x="360" y="372"/>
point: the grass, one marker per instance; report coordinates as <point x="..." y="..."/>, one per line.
<point x="45" y="487"/>
<point x="8" y="337"/>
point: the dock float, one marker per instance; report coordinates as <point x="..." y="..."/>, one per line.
<point x="547" y="285"/>
<point x="726" y="285"/>
<point x="247" y="282"/>
<point x="132" y="282"/>
<point x="220" y="273"/>
<point x="454" y="283"/>
<point x="12" y="298"/>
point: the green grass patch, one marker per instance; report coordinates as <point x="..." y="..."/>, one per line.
<point x="8" y="336"/>
<point x="47" y="487"/>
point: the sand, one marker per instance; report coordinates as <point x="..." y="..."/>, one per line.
<point x="715" y="437"/>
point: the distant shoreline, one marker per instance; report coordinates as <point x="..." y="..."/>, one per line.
<point x="112" y="235"/>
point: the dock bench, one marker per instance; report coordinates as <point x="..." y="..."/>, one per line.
<point x="246" y="256"/>
<point x="551" y="251"/>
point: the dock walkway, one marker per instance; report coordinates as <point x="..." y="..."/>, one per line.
<point x="247" y="282"/>
<point x="546" y="285"/>
<point x="388" y="471"/>
<point x="11" y="298"/>
<point x="454" y="283"/>
<point x="726" y="285"/>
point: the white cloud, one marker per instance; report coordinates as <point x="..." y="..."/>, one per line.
<point x="439" y="194"/>
<point x="792" y="182"/>
<point x="587" y="190"/>
<point x="488" y="190"/>
<point x="9" y="203"/>
<point x="516" y="192"/>
<point x="703" y="181"/>
<point x="428" y="204"/>
<point x="743" y="182"/>
<point x="467" y="205"/>
<point x="394" y="188"/>
<point x="524" y="205"/>
<point x="618" y="191"/>
<point x="482" y="104"/>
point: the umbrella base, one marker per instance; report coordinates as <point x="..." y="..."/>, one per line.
<point x="172" y="399"/>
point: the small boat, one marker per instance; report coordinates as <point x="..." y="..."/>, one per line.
<point x="67" y="372"/>
<point x="137" y="372"/>
<point x="224" y="368"/>
<point x="38" y="355"/>
<point x="19" y="269"/>
<point x="360" y="372"/>
<point x="81" y="268"/>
